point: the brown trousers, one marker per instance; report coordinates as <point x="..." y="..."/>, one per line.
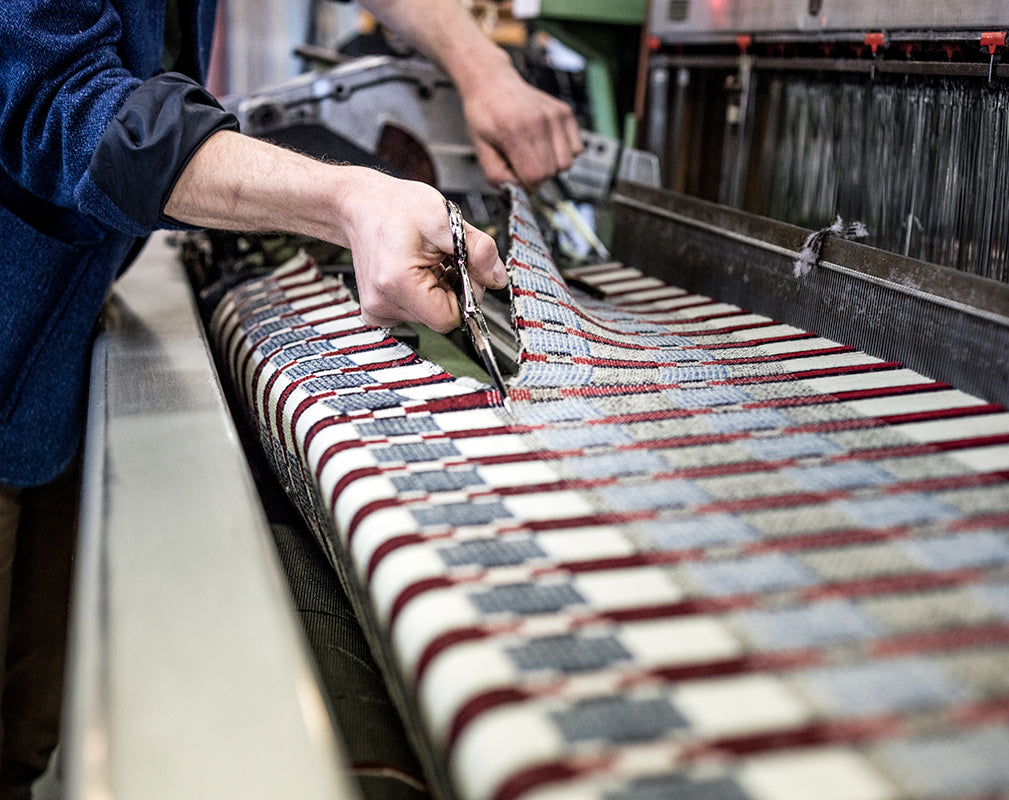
<point x="37" y="536"/>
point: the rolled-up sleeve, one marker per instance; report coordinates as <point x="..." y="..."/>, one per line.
<point x="84" y="121"/>
<point x="144" y="149"/>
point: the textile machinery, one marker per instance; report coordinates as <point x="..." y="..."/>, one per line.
<point x="744" y="533"/>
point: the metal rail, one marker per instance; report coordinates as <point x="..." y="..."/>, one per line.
<point x="865" y="66"/>
<point x="188" y="674"/>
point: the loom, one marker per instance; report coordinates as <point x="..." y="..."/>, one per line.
<point x="747" y="535"/>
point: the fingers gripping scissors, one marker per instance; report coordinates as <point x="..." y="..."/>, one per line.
<point x="473" y="321"/>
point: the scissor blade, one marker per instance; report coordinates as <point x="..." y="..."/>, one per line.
<point x="482" y="346"/>
<point x="472" y="318"/>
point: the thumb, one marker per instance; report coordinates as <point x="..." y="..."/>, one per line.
<point x="485" y="265"/>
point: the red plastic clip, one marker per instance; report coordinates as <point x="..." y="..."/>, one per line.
<point x="743" y="41"/>
<point x="993" y="40"/>
<point x="654" y="43"/>
<point x="875" y="40"/>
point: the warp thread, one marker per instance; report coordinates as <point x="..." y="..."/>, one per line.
<point x="809" y="256"/>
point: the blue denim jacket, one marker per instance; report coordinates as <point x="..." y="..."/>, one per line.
<point x="92" y="139"/>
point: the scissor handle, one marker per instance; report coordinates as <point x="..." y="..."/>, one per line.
<point x="464" y="289"/>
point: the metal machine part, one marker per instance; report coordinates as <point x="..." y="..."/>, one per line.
<point x="343" y="113"/>
<point x="895" y="114"/>
<point x="188" y="674"/>
<point x="948" y="325"/>
<point x="704" y="20"/>
<point x="602" y="162"/>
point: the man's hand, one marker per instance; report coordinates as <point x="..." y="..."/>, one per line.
<point x="520" y="134"/>
<point x="398" y="231"/>
<point x="399" y="234"/>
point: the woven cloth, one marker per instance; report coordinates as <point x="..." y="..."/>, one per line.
<point x="710" y="555"/>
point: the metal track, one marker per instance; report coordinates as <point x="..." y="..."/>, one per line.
<point x="946" y="324"/>
<point x="876" y="66"/>
<point x="188" y="673"/>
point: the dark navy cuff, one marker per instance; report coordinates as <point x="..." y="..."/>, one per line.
<point x="144" y="150"/>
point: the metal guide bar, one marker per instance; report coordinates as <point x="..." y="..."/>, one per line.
<point x="879" y="66"/>
<point x="188" y="674"/>
<point x="948" y="325"/>
<point x="691" y="20"/>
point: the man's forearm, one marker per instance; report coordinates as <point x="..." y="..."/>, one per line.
<point x="397" y="230"/>
<point x="235" y="182"/>
<point x="444" y="31"/>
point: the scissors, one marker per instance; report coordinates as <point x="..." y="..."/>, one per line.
<point x="473" y="321"/>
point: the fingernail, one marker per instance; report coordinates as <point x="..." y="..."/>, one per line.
<point x="500" y="276"/>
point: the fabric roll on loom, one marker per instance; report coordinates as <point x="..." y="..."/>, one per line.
<point x="709" y="555"/>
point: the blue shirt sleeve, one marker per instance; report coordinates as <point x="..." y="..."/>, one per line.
<point x="145" y="148"/>
<point x="85" y="122"/>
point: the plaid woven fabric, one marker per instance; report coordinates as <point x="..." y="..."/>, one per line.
<point x="711" y="556"/>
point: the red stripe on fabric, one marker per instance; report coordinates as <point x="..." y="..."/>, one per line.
<point x="826" y="540"/>
<point x="984" y="712"/>
<point x="942" y="413"/>
<point x="346" y="479"/>
<point x="588" y="521"/>
<point x="614" y="390"/>
<point x="599" y="323"/>
<point x="864" y="423"/>
<point x="981" y="521"/>
<point x="404" y="361"/>
<point x="644" y="559"/>
<point x="617" y="363"/>
<point x="646" y="308"/>
<point x="790" y="500"/>
<point x="925" y="448"/>
<point x="948" y="639"/>
<point x="416" y="589"/>
<point x="806" y="374"/>
<point x="336" y="449"/>
<point x="949" y="482"/>
<point x="894" y="584"/>
<point x="480" y="704"/>
<point x="617" y="343"/>
<point x="855" y="394"/>
<point x="770" y="359"/>
<point x="649" y="416"/>
<point x="744" y="665"/>
<point x="367" y="510"/>
<point x="746" y="326"/>
<point x="288" y="302"/>
<point x="532" y="778"/>
<point x="791" y="337"/>
<point x="611" y="277"/>
<point x="847" y="732"/>
<point x="427" y="380"/>
<point x="391" y="545"/>
<point x="684" y="608"/>
<point x="388" y="341"/>
<point x="441" y="643"/>
<point x="621" y="297"/>
<point x="739" y="312"/>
